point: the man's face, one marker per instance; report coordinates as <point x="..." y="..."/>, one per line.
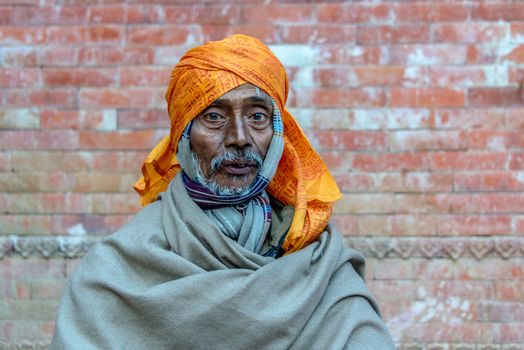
<point x="240" y="121"/>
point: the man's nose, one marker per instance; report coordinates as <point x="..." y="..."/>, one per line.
<point x="237" y="132"/>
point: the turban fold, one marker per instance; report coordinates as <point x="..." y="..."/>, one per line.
<point x="205" y="73"/>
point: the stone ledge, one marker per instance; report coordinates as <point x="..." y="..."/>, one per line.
<point x="374" y="247"/>
<point x="441" y="247"/>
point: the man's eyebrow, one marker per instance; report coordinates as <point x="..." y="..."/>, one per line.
<point x="260" y="99"/>
<point x="220" y="102"/>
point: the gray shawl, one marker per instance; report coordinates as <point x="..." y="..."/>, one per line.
<point x="170" y="279"/>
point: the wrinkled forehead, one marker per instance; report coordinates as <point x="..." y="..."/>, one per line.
<point x="245" y="93"/>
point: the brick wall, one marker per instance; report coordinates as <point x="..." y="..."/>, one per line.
<point x="416" y="106"/>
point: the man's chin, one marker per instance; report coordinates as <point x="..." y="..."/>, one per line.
<point x="232" y="185"/>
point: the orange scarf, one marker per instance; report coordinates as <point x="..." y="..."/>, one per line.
<point x="207" y="72"/>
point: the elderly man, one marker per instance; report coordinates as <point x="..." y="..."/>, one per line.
<point x="233" y="249"/>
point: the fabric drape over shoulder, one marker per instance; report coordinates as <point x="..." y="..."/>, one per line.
<point x="171" y="280"/>
<point x="207" y="72"/>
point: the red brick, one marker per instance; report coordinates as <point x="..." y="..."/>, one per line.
<point x="204" y="14"/>
<point x="356" y="182"/>
<point x="437" y="332"/>
<point x="493" y="55"/>
<point x="390" y="161"/>
<point x="121" y="140"/>
<point x="145" y="76"/>
<point x="504" y="96"/>
<point x="14" y="77"/>
<point x="430" y="11"/>
<point x="107" y="14"/>
<point x="49" y="15"/>
<point x="267" y="34"/>
<point x="510" y="332"/>
<point x="103" y="182"/>
<point x="427" y="140"/>
<point x="499" y="181"/>
<point x="374" y="225"/>
<point x="516" y="74"/>
<point x="349" y="140"/>
<point x="459" y="76"/>
<point x="428" y="97"/>
<point x="344" y="54"/>
<point x="71" y="203"/>
<point x="353" y="12"/>
<point x="105" y="35"/>
<point x="499" y="311"/>
<point x="74" y="119"/>
<point x="36" y="140"/>
<point x="5" y="162"/>
<point x="336" y="161"/>
<point x="35" y="181"/>
<point x="470" y="32"/>
<point x="92" y="224"/>
<point x="369" y="203"/>
<point x="421" y="203"/>
<point x="408" y="290"/>
<point x="32" y="268"/>
<point x="145" y="14"/>
<point x="393" y="34"/>
<point x="47" y="289"/>
<point x="413" y="225"/>
<point x="497" y="10"/>
<point x="19" y="118"/>
<point x="115" y="203"/>
<point x="516" y="55"/>
<point x="387" y="182"/>
<point x="49" y="161"/>
<point x="329" y="97"/>
<point x="509" y="290"/>
<point x="493" y="140"/>
<point x="143" y="118"/>
<point x="6" y="14"/>
<point x="470" y="119"/>
<point x="414" y="269"/>
<point x="60" y="97"/>
<point x="80" y="77"/>
<point x="126" y="161"/>
<point x="117" y="98"/>
<point x="57" y="56"/>
<point x="427" y="55"/>
<point x="166" y="35"/>
<point x="516" y="161"/>
<point x="19" y="56"/>
<point x="468" y="160"/>
<point x="346" y="224"/>
<point x="365" y="76"/>
<point x="486" y="202"/>
<point x="115" y="56"/>
<point x="517" y="31"/>
<point x="472" y="225"/>
<point x="316" y="34"/>
<point x="277" y="13"/>
<point x="25" y="225"/>
<point x="22" y="35"/>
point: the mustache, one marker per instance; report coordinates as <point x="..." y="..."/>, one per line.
<point x="245" y="155"/>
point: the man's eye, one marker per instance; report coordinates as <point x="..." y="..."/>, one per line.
<point x="259" y="117"/>
<point x="213" y="117"/>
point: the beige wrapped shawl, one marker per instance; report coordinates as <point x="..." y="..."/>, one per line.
<point x="170" y="280"/>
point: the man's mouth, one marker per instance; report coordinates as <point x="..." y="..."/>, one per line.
<point x="238" y="167"/>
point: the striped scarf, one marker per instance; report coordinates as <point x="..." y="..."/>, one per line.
<point x="245" y="218"/>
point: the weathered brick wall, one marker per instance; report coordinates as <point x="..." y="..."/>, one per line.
<point x="416" y="106"/>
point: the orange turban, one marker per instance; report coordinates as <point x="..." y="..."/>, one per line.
<point x="205" y="73"/>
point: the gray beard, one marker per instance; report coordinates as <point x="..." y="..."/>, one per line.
<point x="211" y="183"/>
